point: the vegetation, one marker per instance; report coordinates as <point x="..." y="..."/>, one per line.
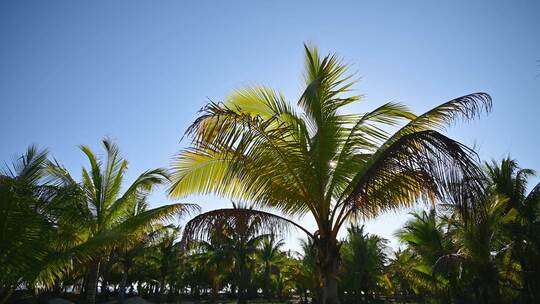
<point x="97" y="239"/>
<point x="313" y="159"/>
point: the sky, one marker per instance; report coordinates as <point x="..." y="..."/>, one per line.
<point x="74" y="72"/>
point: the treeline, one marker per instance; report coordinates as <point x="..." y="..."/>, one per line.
<point x="64" y="238"/>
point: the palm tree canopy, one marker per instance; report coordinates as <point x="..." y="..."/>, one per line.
<point x="25" y="227"/>
<point x="313" y="158"/>
<point x="103" y="213"/>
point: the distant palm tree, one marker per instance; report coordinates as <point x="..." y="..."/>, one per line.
<point x="238" y="236"/>
<point x="129" y="250"/>
<point x="270" y="254"/>
<point x="363" y="262"/>
<point x="167" y="255"/>
<point x="314" y="159"/>
<point x="217" y="257"/>
<point x="99" y="207"/>
<point x="426" y="242"/>
<point x="510" y="181"/>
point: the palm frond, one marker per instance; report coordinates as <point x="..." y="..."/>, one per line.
<point x="202" y="227"/>
<point x="423" y="166"/>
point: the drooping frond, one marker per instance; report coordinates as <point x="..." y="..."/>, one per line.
<point x="203" y="226"/>
<point x="425" y="166"/>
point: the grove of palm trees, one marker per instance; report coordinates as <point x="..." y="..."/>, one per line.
<point x="473" y="235"/>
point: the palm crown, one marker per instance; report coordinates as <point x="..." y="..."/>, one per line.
<point x="313" y="158"/>
<point x="104" y="215"/>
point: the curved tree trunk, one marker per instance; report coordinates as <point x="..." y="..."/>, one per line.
<point x="91" y="288"/>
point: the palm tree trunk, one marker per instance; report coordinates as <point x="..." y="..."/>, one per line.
<point x="93" y="277"/>
<point x="330" y="287"/>
<point x="328" y="262"/>
<point x="242" y="284"/>
<point x="123" y="283"/>
<point x="267" y="282"/>
<point x="162" y="293"/>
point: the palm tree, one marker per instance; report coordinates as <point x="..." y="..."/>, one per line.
<point x="217" y="258"/>
<point x="167" y="256"/>
<point x="314" y="159"/>
<point x="363" y="262"/>
<point x="478" y="242"/>
<point x="24" y="228"/>
<point x="510" y="182"/>
<point x="270" y="254"/>
<point x="239" y="236"/>
<point x="308" y="277"/>
<point x="99" y="208"/>
<point x="127" y="251"/>
<point x="400" y="273"/>
<point x="426" y="239"/>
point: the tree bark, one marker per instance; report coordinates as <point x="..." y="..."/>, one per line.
<point x="91" y="289"/>
<point x="328" y="262"/>
<point x="267" y="282"/>
<point x="123" y="283"/>
<point x="242" y="284"/>
<point x="330" y="286"/>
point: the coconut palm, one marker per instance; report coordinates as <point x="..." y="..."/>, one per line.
<point x="399" y="277"/>
<point x="128" y="251"/>
<point x="478" y="244"/>
<point x="510" y="182"/>
<point x="314" y="159"/>
<point x="217" y="257"/>
<point x="168" y="254"/>
<point x="99" y="207"/>
<point x="240" y="237"/>
<point x="270" y="254"/>
<point x="427" y="242"/>
<point x="25" y="227"/>
<point x="307" y="276"/>
<point x="363" y="263"/>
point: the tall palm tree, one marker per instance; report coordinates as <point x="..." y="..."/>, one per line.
<point x="400" y="276"/>
<point x="478" y="242"/>
<point x="315" y="159"/>
<point x="99" y="207"/>
<point x="307" y="276"/>
<point x="167" y="256"/>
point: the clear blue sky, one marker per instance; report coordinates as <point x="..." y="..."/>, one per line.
<point x="72" y="72"/>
